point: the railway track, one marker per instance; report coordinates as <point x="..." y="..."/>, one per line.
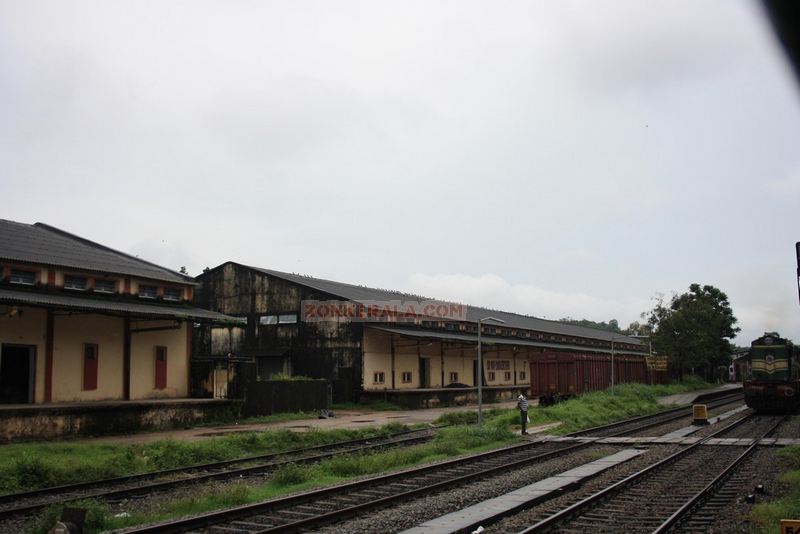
<point x="654" y="499"/>
<point x="313" y="508"/>
<point x="165" y="480"/>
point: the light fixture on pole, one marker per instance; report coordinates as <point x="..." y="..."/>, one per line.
<point x="480" y="367"/>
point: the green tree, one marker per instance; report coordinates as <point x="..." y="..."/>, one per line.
<point x="638" y="329"/>
<point x="694" y="330"/>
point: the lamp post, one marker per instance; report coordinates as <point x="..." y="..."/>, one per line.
<point x="480" y="367"/>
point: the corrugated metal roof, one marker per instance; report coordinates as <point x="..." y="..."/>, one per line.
<point x="474" y="313"/>
<point x="490" y="340"/>
<point x="114" y="307"/>
<point x="47" y="245"/>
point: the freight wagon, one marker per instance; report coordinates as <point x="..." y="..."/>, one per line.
<point x="557" y="375"/>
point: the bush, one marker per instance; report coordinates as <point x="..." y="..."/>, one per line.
<point x="96" y="516"/>
<point x="32" y="472"/>
<point x="284" y="377"/>
<point x="467" y="417"/>
<point x="290" y="474"/>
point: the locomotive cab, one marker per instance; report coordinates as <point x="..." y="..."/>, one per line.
<point x="772" y="382"/>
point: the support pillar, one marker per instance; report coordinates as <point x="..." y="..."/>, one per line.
<point x="48" y="357"/>
<point x="126" y="359"/>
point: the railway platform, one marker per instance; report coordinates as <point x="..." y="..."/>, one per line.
<point x="467" y="518"/>
<point x="346" y="419"/>
<point x="689" y="397"/>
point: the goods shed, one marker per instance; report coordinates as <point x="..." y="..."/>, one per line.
<point x="377" y="343"/>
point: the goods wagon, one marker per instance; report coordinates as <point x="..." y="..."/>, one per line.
<point x="556" y="375"/>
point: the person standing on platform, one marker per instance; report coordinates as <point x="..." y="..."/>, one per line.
<point x="522" y="405"/>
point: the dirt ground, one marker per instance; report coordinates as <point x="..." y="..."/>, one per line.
<point x="343" y="419"/>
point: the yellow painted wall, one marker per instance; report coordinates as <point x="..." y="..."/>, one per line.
<point x="70" y="332"/>
<point x="29" y="328"/>
<point x="377" y="357"/>
<point x="406" y="359"/>
<point x="143" y="361"/>
<point x="459" y="361"/>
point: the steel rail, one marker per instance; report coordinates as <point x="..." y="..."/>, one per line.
<point x="550" y="521"/>
<point x="10" y="497"/>
<point x="238" y="513"/>
<point x="214" y="518"/>
<point x="711" y="487"/>
<point x="268" y="462"/>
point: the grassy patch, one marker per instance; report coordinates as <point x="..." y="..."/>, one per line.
<point x="469" y="417"/>
<point x="30" y="466"/>
<point x="601" y="407"/>
<point x="766" y="516"/>
<point x="590" y="409"/>
<point x="291" y="477"/>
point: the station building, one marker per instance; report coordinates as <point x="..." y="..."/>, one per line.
<point x="308" y="326"/>
<point x="82" y="322"/>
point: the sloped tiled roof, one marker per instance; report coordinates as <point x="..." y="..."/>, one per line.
<point x="474" y="313"/>
<point x="43" y="244"/>
<point x="115" y="306"/>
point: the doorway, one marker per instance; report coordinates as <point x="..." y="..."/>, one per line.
<point x="17" y="373"/>
<point x="424" y="372"/>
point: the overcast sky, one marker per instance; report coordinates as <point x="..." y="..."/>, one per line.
<point x="549" y="158"/>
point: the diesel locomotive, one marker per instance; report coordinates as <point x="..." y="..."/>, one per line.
<point x="773" y="378"/>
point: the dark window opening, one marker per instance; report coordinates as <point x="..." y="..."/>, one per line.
<point x="173" y="293"/>
<point x="105" y="286"/>
<point x="25" y="278"/>
<point x="77" y="283"/>
<point x="148" y="292"/>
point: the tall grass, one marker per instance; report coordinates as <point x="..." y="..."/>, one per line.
<point x="31" y="466"/>
<point x="587" y="410"/>
<point x="292" y="477"/>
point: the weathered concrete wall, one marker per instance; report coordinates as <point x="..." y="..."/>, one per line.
<point x="266" y="397"/>
<point x="318" y="350"/>
<point x="49" y="422"/>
